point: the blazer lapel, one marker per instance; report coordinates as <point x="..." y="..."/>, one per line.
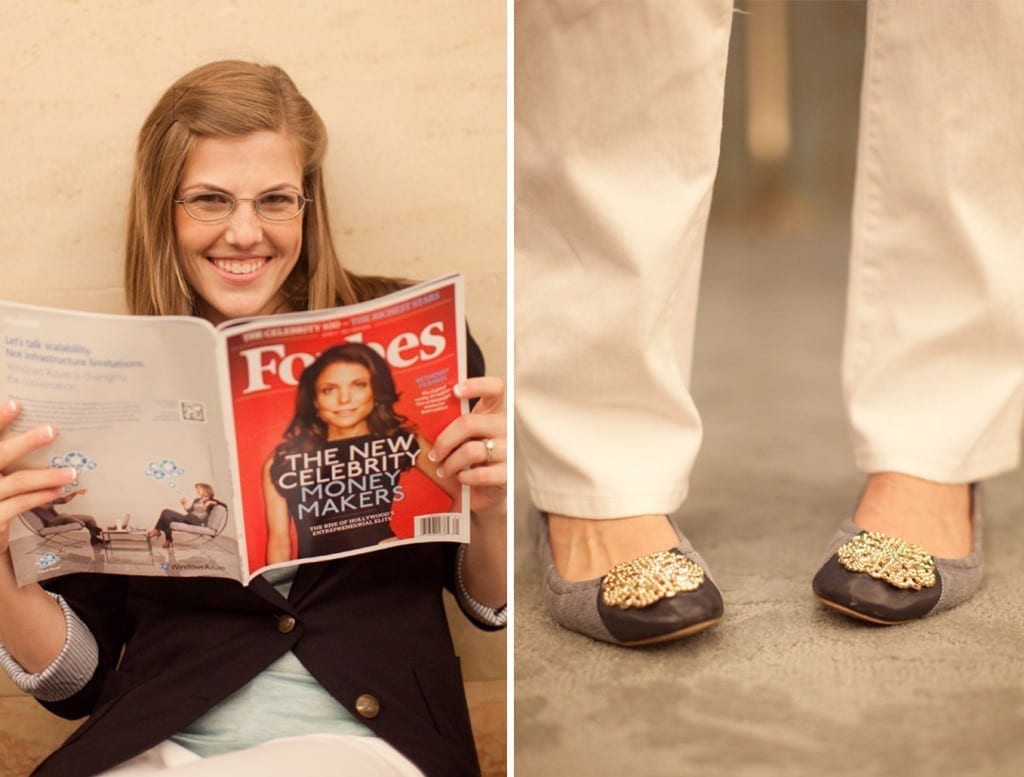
<point x="259" y="586"/>
<point x="306" y="577"/>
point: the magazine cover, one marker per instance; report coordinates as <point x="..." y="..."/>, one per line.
<point x="205" y="451"/>
<point x="334" y="419"/>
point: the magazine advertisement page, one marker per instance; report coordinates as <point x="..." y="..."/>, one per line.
<point x="136" y="404"/>
<point x="335" y="414"/>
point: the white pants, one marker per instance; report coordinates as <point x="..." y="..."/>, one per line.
<point x="618" y="111"/>
<point x="315" y="755"/>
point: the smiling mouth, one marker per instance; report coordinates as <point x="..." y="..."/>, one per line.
<point x="239" y="267"/>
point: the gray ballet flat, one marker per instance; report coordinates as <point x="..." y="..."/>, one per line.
<point x="655" y="598"/>
<point x="873" y="577"/>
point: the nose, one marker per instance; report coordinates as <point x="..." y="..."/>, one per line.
<point x="344" y="395"/>
<point x="244" y="225"/>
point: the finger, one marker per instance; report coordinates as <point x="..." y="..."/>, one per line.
<point x="480" y="387"/>
<point x="473" y="453"/>
<point x="28" y="480"/>
<point x="464" y="428"/>
<point x="19" y="445"/>
<point x="16" y="505"/>
<point x="488" y="389"/>
<point x="8" y="412"/>
<point x="495" y="475"/>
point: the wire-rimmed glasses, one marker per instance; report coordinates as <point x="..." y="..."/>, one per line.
<point x="216" y="206"/>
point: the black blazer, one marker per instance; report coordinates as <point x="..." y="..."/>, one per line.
<point x="370" y="628"/>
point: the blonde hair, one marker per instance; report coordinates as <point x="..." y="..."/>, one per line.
<point x="206" y="489"/>
<point x="229" y="99"/>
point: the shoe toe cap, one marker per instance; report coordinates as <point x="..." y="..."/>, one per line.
<point x="860" y="594"/>
<point x="677" y="615"/>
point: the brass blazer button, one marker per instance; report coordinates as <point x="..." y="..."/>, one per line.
<point x="367" y="706"/>
<point x="285" y="623"/>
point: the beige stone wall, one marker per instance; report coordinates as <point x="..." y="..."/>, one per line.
<point x="413" y="94"/>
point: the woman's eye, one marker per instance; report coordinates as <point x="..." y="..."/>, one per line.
<point x="279" y="202"/>
<point x="209" y="201"/>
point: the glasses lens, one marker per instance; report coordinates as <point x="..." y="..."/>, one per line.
<point x="208" y="206"/>
<point x="280" y="205"/>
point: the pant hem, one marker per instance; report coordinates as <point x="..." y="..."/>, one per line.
<point x="970" y="470"/>
<point x="605" y="506"/>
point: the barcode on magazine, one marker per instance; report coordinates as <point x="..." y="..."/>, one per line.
<point x="434" y="525"/>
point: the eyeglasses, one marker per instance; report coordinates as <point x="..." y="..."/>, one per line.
<point x="216" y="206"/>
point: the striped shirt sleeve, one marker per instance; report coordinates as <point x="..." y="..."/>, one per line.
<point x="495" y="618"/>
<point x="70" y="671"/>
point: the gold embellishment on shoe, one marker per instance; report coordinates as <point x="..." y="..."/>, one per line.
<point x="898" y="563"/>
<point x="643" y="581"/>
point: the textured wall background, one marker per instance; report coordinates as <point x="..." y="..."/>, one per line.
<point x="413" y="94"/>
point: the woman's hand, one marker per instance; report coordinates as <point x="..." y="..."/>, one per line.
<point x="474" y="448"/>
<point x="27" y="488"/>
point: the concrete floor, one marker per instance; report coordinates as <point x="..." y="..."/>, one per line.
<point x="781" y="686"/>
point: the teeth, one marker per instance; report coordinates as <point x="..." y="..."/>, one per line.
<point x="240" y="268"/>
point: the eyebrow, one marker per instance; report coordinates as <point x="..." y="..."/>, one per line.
<point x="215" y="188"/>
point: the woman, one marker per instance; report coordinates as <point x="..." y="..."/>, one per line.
<point x="347" y="393"/>
<point x="196" y="513"/>
<point x="228" y="218"/>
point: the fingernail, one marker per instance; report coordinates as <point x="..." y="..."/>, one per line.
<point x="72" y="473"/>
<point x="11" y="406"/>
<point x="440" y="472"/>
<point x="432" y="456"/>
<point x="49" y="432"/>
<point x="459" y="389"/>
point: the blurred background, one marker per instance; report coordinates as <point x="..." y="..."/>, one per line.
<point x="791" y="107"/>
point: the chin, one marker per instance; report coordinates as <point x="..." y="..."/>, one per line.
<point x="227" y="310"/>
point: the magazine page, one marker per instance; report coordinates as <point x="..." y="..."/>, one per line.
<point x="334" y="415"/>
<point x="136" y="404"/>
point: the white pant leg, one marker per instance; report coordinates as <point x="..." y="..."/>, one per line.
<point x="934" y="356"/>
<point x="315" y="755"/>
<point x="618" y="114"/>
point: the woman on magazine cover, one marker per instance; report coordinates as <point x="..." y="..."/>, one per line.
<point x="347" y="663"/>
<point x="346" y="394"/>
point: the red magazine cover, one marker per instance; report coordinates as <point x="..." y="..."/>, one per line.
<point x="333" y="422"/>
